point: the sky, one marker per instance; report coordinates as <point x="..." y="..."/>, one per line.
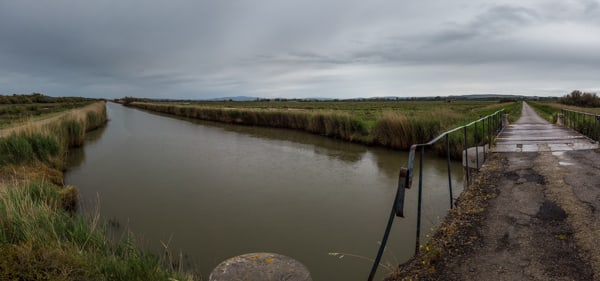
<point x="201" y="49"/>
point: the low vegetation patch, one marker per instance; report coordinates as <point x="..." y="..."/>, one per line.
<point x="394" y="124"/>
<point x="18" y="108"/>
<point x="40" y="240"/>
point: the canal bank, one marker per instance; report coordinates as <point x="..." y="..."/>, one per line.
<point x="527" y="216"/>
<point x="214" y="191"/>
<point x="390" y="124"/>
<point x="42" y="237"/>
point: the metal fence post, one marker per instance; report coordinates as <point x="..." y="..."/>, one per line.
<point x="466" y="154"/>
<point x="417" y="243"/>
<point x="449" y="171"/>
<point x="397" y="207"/>
<point x="476" y="148"/>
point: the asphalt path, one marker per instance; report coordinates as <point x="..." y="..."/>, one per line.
<point x="533" y="212"/>
<point x="544" y="223"/>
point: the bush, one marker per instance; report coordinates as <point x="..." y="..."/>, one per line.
<point x="578" y="98"/>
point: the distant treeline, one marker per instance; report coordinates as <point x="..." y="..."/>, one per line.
<point x="38" y="98"/>
<point x="582" y="99"/>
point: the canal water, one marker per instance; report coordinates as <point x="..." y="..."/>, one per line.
<point x="212" y="191"/>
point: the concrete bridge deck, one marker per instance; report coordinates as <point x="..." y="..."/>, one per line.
<point x="531" y="133"/>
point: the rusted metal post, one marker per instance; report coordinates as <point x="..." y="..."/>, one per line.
<point x="476" y="148"/>
<point x="420" y="196"/>
<point x="397" y="210"/>
<point x="483" y="135"/>
<point x="449" y="171"/>
<point x="466" y="153"/>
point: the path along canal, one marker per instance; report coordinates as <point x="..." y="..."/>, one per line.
<point x="213" y="191"/>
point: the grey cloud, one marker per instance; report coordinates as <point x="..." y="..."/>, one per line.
<point x="494" y="22"/>
<point x="318" y="48"/>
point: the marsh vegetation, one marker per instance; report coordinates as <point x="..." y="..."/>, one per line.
<point x="21" y="108"/>
<point x="393" y="124"/>
<point x="42" y="237"/>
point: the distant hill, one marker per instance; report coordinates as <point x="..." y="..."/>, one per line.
<point x="238" y="98"/>
<point x="384" y="98"/>
<point x="488" y="96"/>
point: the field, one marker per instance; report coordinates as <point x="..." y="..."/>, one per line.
<point x="20" y="108"/>
<point x="393" y="124"/>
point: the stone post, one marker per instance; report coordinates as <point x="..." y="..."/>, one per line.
<point x="560" y="119"/>
<point x="260" y="267"/>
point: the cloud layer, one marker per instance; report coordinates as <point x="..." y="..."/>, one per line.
<point x="272" y="48"/>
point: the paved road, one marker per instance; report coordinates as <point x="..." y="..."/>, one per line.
<point x="531" y="133"/>
<point x="543" y="223"/>
<point x="532" y="214"/>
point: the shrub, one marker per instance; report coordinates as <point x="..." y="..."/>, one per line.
<point x="578" y="98"/>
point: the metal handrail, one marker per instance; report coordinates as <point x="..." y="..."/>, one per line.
<point x="576" y="120"/>
<point x="494" y="127"/>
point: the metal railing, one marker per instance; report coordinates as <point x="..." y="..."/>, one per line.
<point x="585" y="123"/>
<point x="471" y="135"/>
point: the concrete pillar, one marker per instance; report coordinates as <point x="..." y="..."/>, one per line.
<point x="260" y="267"/>
<point x="474" y="153"/>
<point x="504" y="119"/>
<point x="560" y="119"/>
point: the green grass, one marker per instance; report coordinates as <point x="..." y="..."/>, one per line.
<point x="18" y="149"/>
<point x="548" y="111"/>
<point x="585" y="124"/>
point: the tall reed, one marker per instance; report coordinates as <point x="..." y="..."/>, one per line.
<point x="339" y="125"/>
<point x="41" y="241"/>
<point x="393" y="128"/>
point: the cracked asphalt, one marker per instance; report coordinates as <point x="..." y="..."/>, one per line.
<point x="540" y="218"/>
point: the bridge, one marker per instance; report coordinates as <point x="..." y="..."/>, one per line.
<point x="532" y="213"/>
<point x="531" y="133"/>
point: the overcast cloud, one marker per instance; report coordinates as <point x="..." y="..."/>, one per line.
<point x="277" y="48"/>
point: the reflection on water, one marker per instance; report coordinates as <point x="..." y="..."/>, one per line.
<point x="217" y="191"/>
<point x="76" y="156"/>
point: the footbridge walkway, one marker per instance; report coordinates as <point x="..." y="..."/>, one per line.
<point x="539" y="218"/>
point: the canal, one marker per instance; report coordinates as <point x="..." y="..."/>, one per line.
<point x="213" y="191"/>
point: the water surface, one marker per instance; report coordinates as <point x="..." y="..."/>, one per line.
<point x="213" y="191"/>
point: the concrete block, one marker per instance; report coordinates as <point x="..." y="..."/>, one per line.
<point x="473" y="153"/>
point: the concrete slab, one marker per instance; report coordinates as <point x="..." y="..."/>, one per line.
<point x="531" y="133"/>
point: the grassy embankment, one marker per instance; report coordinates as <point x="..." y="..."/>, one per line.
<point x="41" y="236"/>
<point x="587" y="126"/>
<point x="550" y="110"/>
<point x="393" y="124"/>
